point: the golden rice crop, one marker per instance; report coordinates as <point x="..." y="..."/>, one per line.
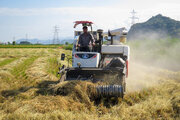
<point x="152" y="93"/>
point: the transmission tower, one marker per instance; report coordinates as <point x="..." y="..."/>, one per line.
<point x="56" y="37"/>
<point x="133" y="17"/>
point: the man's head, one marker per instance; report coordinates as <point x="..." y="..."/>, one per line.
<point x="85" y="29"/>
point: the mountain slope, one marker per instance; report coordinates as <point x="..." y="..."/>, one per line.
<point x="157" y="26"/>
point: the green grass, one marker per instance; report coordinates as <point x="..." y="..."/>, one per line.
<point x="68" y="47"/>
<point x="54" y="62"/>
<point x="53" y="66"/>
<point x="30" y="46"/>
<point x="19" y="71"/>
<point x="7" y="61"/>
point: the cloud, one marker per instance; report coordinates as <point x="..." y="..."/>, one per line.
<point x="100" y="15"/>
<point x="105" y="17"/>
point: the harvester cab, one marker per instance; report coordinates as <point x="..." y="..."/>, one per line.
<point x="89" y="59"/>
<point x="106" y="64"/>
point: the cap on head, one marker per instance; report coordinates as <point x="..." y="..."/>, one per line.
<point x="85" y="27"/>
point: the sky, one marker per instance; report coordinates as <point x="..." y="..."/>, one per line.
<point x="36" y="18"/>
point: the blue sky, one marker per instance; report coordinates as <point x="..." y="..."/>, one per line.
<point x="37" y="17"/>
<point x="54" y="3"/>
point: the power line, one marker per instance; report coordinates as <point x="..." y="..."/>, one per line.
<point x="14" y="38"/>
<point x="26" y="37"/>
<point x="56" y="35"/>
<point x="133" y="17"/>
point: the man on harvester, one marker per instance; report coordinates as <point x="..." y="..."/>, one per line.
<point x="86" y="40"/>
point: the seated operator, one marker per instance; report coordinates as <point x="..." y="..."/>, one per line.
<point x="85" y="39"/>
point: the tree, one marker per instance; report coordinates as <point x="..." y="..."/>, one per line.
<point x="24" y="43"/>
<point x="9" y="43"/>
<point x="66" y="43"/>
<point x="14" y="42"/>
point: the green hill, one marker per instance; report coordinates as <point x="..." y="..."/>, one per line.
<point x="156" y="27"/>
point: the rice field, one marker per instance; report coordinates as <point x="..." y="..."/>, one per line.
<point x="29" y="81"/>
<point x="30" y="46"/>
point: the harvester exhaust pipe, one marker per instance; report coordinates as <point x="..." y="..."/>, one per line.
<point x="100" y="41"/>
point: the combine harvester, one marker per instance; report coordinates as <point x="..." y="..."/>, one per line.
<point x="106" y="64"/>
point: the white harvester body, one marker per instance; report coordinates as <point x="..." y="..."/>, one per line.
<point x="86" y="59"/>
<point x="116" y="49"/>
<point x="106" y="64"/>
